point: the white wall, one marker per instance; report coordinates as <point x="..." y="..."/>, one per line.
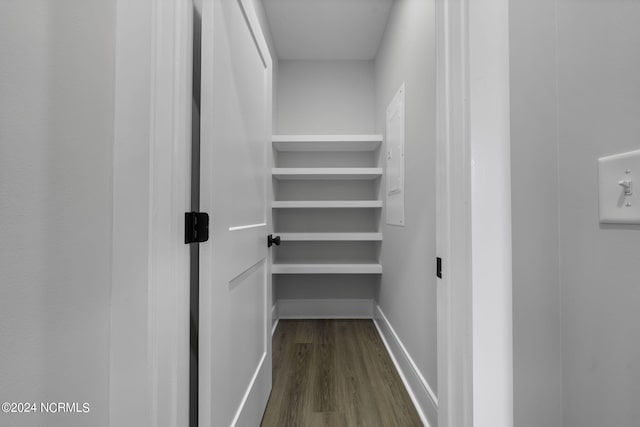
<point x="56" y="148"/>
<point x="131" y="309"/>
<point x="534" y="177"/>
<point x="591" y="95"/>
<point x="408" y="288"/>
<point x="325" y="97"/>
<point x="599" y="106"/>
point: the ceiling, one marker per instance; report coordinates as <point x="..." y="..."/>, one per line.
<point x="327" y="29"/>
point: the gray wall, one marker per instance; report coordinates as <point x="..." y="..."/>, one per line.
<point x="56" y="148"/>
<point x="325" y="97"/>
<point x="595" y="111"/>
<point x="534" y="173"/>
<point x="408" y="287"/>
<point x="599" y="107"/>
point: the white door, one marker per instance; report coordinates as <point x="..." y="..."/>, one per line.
<point x="235" y="271"/>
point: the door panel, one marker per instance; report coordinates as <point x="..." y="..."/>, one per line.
<point x="243" y="113"/>
<point x="235" y="286"/>
<point x="247" y="308"/>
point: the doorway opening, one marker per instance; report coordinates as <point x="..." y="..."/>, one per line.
<point x="318" y="130"/>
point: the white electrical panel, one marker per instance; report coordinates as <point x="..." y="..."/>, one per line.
<point x="619" y="188"/>
<point x="395" y="159"/>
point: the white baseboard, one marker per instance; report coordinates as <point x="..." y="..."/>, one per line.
<point x="325" y="309"/>
<point x="423" y="397"/>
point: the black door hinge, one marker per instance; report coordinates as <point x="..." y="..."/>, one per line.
<point x="196" y="227"/>
<point x="439" y="267"/>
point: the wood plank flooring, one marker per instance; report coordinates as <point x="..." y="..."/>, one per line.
<point x="335" y="373"/>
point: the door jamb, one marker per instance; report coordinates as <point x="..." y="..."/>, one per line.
<point x="474" y="213"/>
<point x="149" y="378"/>
<point x="172" y="39"/>
<point x="453" y="217"/>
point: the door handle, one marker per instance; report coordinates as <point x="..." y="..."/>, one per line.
<point x="273" y="240"/>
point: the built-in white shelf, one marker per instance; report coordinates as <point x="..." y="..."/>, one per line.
<point x="327" y="142"/>
<point x="327" y="173"/>
<point x="287" y="204"/>
<point x="326" y="268"/>
<point x="330" y="237"/>
<point x="301" y="151"/>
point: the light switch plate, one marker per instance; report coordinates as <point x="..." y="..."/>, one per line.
<point x="619" y="188"/>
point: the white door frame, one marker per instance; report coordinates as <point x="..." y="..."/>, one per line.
<point x="475" y="352"/>
<point x="150" y="305"/>
<point x="149" y="378"/>
<point x="453" y="222"/>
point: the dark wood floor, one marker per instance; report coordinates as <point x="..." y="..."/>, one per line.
<point x="335" y="373"/>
